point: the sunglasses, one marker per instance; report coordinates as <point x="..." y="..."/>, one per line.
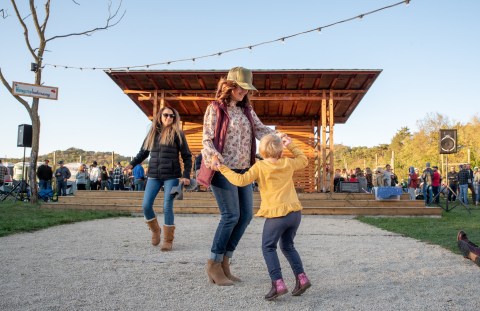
<point x="166" y="115"/>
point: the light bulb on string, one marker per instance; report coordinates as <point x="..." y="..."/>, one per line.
<point x="407" y="2"/>
<point x="282" y="40"/>
<point x="250" y="49"/>
<point x="319" y="30"/>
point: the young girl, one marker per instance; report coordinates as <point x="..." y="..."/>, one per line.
<point x="280" y="206"/>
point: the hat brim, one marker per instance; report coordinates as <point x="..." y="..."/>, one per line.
<point x="246" y="86"/>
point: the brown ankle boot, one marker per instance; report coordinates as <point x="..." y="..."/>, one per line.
<point x="278" y="288"/>
<point x="216" y="274"/>
<point x="226" y="270"/>
<point x="168" y="234"/>
<point x="155" y="228"/>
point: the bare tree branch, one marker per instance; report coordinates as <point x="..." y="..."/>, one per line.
<point x="25" y="30"/>
<point x="109" y="24"/>
<point x="47" y="15"/>
<point x="9" y="88"/>
<point x="4" y="13"/>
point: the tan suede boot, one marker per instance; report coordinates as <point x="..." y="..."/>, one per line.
<point x="216" y="274"/>
<point x="155" y="228"/>
<point x="168" y="234"/>
<point x="226" y="270"/>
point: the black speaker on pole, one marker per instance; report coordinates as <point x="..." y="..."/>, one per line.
<point x="448" y="141"/>
<point x="24" y="135"/>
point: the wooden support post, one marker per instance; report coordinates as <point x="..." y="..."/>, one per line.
<point x="324" y="141"/>
<point x="331" y="119"/>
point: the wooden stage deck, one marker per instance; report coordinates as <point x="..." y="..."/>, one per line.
<point x="204" y="203"/>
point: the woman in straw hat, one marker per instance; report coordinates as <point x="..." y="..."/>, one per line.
<point x="229" y="131"/>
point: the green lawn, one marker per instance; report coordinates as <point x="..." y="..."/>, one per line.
<point x="441" y="231"/>
<point x="18" y="217"/>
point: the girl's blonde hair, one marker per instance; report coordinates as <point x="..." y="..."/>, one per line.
<point x="167" y="133"/>
<point x="271" y="146"/>
<point x="224" y="92"/>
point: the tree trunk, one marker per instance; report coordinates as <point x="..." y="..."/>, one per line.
<point x="34" y="155"/>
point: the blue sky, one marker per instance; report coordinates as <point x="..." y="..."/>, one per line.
<point x="428" y="51"/>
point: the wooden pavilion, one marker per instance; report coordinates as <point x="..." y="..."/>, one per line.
<point x="306" y="104"/>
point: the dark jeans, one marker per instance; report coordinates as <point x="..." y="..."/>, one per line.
<point x="45" y="184"/>
<point x="435" y="191"/>
<point x="81" y="186"/>
<point x="94" y="185"/>
<point x="452" y="196"/>
<point x="236" y="210"/>
<point x="281" y="229"/>
<point x="472" y="189"/>
<point x="61" y="188"/>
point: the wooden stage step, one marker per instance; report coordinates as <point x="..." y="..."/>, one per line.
<point x="204" y="203"/>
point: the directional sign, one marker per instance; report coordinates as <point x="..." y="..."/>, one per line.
<point x="33" y="90"/>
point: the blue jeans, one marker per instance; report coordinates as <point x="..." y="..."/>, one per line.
<point x="45" y="184"/>
<point x="477" y="189"/>
<point x="463" y="193"/>
<point x="236" y="210"/>
<point x="281" y="229"/>
<point x="151" y="191"/>
<point x="139" y="184"/>
<point x="427" y="193"/>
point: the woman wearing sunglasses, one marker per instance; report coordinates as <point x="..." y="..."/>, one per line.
<point x="164" y="143"/>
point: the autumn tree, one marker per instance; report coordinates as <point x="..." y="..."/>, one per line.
<point x="34" y="25"/>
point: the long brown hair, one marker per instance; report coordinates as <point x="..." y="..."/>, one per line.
<point x="167" y="133"/>
<point x="224" y="92"/>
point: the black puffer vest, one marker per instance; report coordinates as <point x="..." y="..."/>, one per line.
<point x="164" y="159"/>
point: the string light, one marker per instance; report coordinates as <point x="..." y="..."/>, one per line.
<point x="249" y="47"/>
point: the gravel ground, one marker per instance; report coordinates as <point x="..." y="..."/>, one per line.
<point x="110" y="265"/>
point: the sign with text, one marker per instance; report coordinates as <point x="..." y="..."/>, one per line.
<point x="33" y="90"/>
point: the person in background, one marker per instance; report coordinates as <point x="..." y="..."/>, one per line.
<point x="3" y="173"/>
<point x="470" y="181"/>
<point x="452" y="177"/>
<point x="387" y="176"/>
<point x="104" y="178"/>
<point x="94" y="176"/>
<point x="45" y="174"/>
<point x="337" y="179"/>
<point x="118" y="177"/>
<point x="476" y="183"/>
<point x="165" y="144"/>
<point x="230" y="130"/>
<point x="412" y="182"/>
<point x="436" y="183"/>
<point x="378" y="180"/>
<point x="353" y="178"/>
<point x="369" y="177"/>
<point x="62" y="174"/>
<point x="280" y="206"/>
<point x="81" y="178"/>
<point x="139" y="177"/>
<point x="427" y="184"/>
<point x="463" y="176"/>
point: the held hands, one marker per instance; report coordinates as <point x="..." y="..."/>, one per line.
<point x="285" y="139"/>
<point x="185" y="181"/>
<point x="215" y="163"/>
<point x="126" y="168"/>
